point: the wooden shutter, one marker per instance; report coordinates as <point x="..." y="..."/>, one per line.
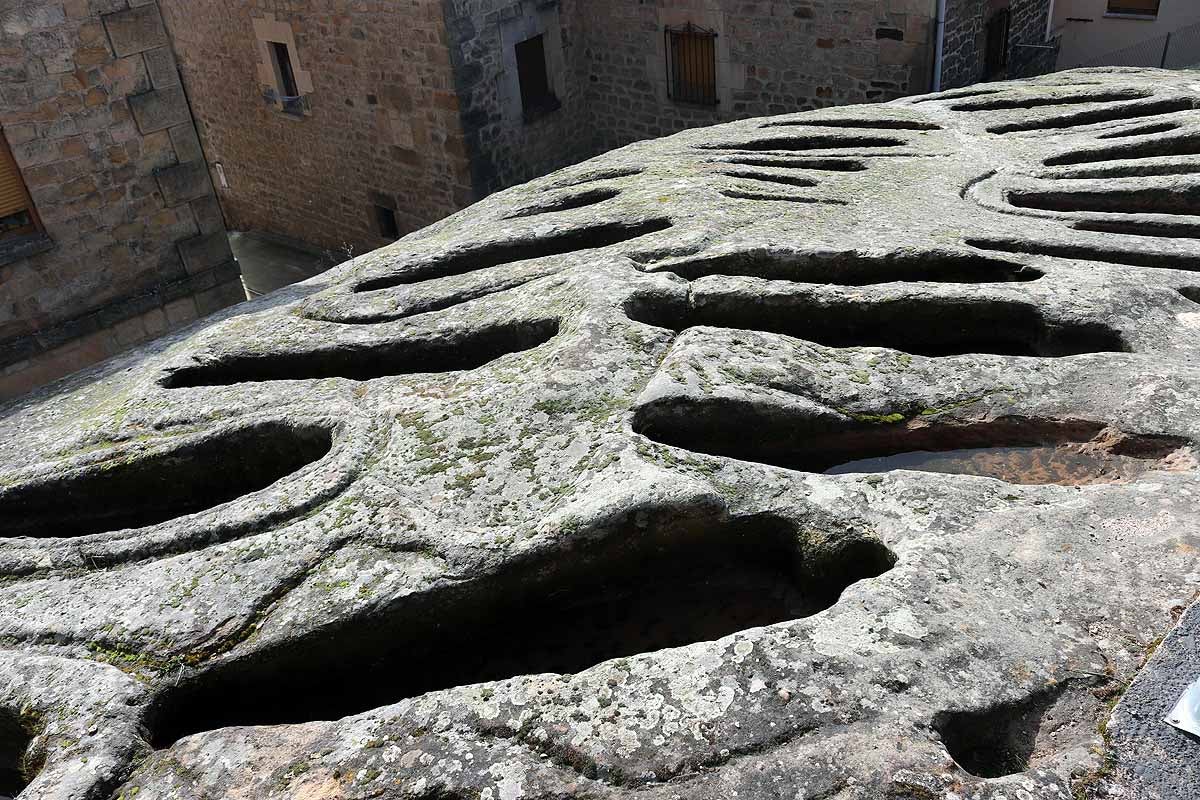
<point x="692" y="64"/>
<point x="13" y="197"/>
<point x="1147" y="7"/>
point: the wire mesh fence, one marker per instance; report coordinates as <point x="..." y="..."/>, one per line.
<point x="1179" y="49"/>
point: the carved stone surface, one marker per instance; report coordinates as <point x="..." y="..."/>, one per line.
<point x="847" y="455"/>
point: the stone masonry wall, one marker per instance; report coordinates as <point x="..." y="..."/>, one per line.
<point x="382" y="126"/>
<point x="966" y="40"/>
<point x="505" y="147"/>
<point x="773" y="58"/>
<point x="134" y="241"/>
<point x="1030" y="54"/>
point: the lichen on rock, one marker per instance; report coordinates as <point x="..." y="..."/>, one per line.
<point x="847" y="454"/>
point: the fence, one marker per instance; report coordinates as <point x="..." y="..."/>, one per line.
<point x="1178" y="49"/>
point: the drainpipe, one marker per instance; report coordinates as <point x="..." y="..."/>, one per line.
<point x="939" y="45"/>
<point x="1050" y="21"/>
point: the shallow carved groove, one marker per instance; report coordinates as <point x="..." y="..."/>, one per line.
<point x="1164" y="230"/>
<point x="768" y="177"/>
<point x="137" y="491"/>
<point x="851" y="268"/>
<point x="580" y="200"/>
<point x="1141" y="130"/>
<point x="817" y="164"/>
<point x="929" y="326"/>
<point x="669" y="579"/>
<point x="411" y="307"/>
<point x="1132" y="170"/>
<point x="593" y="177"/>
<point x="521" y="250"/>
<point x="17" y="765"/>
<point x="1015" y="450"/>
<point x="1011" y="738"/>
<point x="1094" y="116"/>
<point x="1021" y="102"/>
<point x="771" y="197"/>
<point x="1174" y="200"/>
<point x="447" y="351"/>
<point x="941" y="97"/>
<point x="1090" y="252"/>
<point x="1151" y="148"/>
<point x="797" y="143"/>
<point x="881" y="124"/>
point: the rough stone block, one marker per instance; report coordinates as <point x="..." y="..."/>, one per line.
<point x="184" y="182"/>
<point x="208" y="214"/>
<point x="180" y="312"/>
<point x="159" y="109"/>
<point x="186" y="143"/>
<point x="160" y="63"/>
<point x="202" y="253"/>
<point x="135" y="30"/>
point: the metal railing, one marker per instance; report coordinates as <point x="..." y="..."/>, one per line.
<point x="1179" y="49"/>
<point x="296" y="106"/>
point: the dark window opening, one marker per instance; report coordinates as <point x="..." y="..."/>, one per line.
<point x="996" y="54"/>
<point x="1142" y="8"/>
<point x="17" y="214"/>
<point x="692" y="65"/>
<point x="385" y="219"/>
<point x="290" y="98"/>
<point x="537" y="98"/>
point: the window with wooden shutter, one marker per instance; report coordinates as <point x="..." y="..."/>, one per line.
<point x="17" y="215"/>
<point x="692" y="65"/>
<point x="1141" y="8"/>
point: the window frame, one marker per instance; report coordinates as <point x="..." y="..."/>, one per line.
<point x="537" y="90"/>
<point x="994" y="66"/>
<point x="386" y="222"/>
<point x="702" y="42"/>
<point x="35" y="227"/>
<point x="1131" y="13"/>
<point x="287" y="90"/>
<point x="268" y="33"/>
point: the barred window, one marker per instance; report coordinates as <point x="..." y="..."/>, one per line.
<point x="692" y="65"/>
<point x="996" y="54"/>
<point x="1142" y="8"/>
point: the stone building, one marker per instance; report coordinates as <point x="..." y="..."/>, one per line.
<point x="348" y="126"/>
<point x="996" y="39"/>
<point x="367" y="143"/>
<point x="1138" y="33"/>
<point x="110" y="232"/>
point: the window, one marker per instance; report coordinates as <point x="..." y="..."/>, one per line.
<point x="692" y="65"/>
<point x="995" y="58"/>
<point x="17" y="214"/>
<point x="1141" y="8"/>
<point x="537" y="98"/>
<point x="286" y="84"/>
<point x="285" y="79"/>
<point x="385" y="218"/>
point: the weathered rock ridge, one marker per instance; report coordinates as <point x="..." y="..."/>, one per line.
<point x="849" y="454"/>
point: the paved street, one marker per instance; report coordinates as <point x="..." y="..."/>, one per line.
<point x="268" y="263"/>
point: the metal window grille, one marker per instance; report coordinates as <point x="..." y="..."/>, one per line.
<point x="692" y="65"/>
<point x="996" y="54"/>
<point x="1142" y="8"/>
